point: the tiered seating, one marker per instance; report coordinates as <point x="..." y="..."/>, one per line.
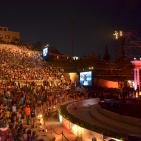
<point x="20" y="63"/>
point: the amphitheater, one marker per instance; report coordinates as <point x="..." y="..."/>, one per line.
<point x="86" y="119"/>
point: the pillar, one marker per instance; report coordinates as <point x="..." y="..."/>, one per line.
<point x="137" y="66"/>
<point x="136" y="77"/>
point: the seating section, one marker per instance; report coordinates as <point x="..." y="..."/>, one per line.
<point x="20" y="63"/>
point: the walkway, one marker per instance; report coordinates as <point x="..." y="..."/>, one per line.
<point x="49" y="128"/>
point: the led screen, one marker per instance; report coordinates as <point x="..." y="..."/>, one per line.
<point x="45" y="52"/>
<point x="86" y="78"/>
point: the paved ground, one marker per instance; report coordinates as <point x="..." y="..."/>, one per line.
<point x="51" y="129"/>
<point x="59" y="132"/>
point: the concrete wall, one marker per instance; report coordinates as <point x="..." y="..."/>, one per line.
<point x="9" y="36"/>
<point x="73" y="76"/>
<point x="107" y="83"/>
<point x="84" y="134"/>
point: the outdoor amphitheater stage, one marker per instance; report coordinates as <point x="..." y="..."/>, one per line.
<point x="89" y="121"/>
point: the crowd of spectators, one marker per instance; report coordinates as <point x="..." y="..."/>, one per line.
<point x="20" y="63"/>
<point x="20" y="106"/>
<point x="19" y="102"/>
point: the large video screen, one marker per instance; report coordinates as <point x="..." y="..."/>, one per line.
<point x="45" y="52"/>
<point x="86" y="78"/>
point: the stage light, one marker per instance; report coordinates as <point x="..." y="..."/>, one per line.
<point x="118" y="34"/>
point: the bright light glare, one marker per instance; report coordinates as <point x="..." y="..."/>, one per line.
<point x="40" y="116"/>
<point x="118" y="34"/>
<point x="77" y="130"/>
<point x="60" y="118"/>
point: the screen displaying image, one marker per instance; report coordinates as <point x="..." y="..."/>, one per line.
<point x="86" y="78"/>
<point x="45" y="52"/>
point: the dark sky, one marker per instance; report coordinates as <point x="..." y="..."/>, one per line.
<point x="87" y="25"/>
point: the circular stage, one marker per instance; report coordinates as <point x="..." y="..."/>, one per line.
<point x="100" y="123"/>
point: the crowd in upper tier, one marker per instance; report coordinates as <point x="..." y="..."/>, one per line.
<point x="20" y="63"/>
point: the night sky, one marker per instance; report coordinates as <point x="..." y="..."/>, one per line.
<point x="85" y="25"/>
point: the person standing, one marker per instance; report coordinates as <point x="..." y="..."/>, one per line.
<point x="27" y="114"/>
<point x="32" y="116"/>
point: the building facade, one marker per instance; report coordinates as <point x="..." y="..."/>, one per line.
<point x="7" y="36"/>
